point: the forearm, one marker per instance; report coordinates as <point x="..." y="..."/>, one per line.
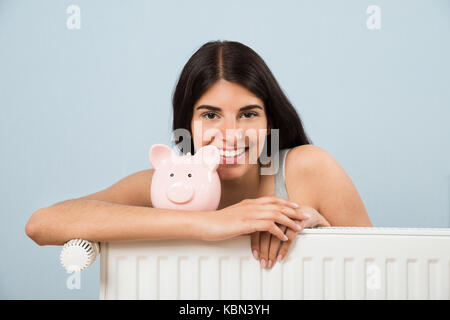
<point x="101" y="221"/>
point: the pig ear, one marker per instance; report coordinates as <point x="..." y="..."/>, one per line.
<point x="209" y="156"/>
<point x="159" y="154"/>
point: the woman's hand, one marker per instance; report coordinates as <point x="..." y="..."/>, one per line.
<point x="263" y="214"/>
<point x="267" y="248"/>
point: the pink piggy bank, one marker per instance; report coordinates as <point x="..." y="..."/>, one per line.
<point x="185" y="182"/>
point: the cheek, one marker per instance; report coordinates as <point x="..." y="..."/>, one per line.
<point x="198" y="133"/>
<point x="206" y="133"/>
<point x="258" y="136"/>
<point x="201" y="139"/>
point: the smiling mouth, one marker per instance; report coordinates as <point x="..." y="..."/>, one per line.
<point x="232" y="153"/>
<point x="232" y="157"/>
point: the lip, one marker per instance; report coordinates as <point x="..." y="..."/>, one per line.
<point x="224" y="147"/>
<point x="231" y="149"/>
<point x="233" y="160"/>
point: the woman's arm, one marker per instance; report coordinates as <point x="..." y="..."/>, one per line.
<point x="331" y="190"/>
<point x="97" y="220"/>
<point x="121" y="212"/>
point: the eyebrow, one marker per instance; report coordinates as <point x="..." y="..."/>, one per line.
<point x="212" y="108"/>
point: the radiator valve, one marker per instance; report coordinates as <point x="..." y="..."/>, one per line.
<point x="78" y="254"/>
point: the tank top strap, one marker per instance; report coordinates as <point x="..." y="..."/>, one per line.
<point x="280" y="185"/>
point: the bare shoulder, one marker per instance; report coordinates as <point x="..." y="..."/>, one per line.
<point x="313" y="175"/>
<point x="133" y="190"/>
<point x="308" y="157"/>
<point x="309" y="161"/>
<point x="303" y="163"/>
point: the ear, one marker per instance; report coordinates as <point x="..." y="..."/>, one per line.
<point x="209" y="156"/>
<point x="159" y="154"/>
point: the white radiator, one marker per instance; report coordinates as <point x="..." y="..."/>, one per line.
<point x="323" y="263"/>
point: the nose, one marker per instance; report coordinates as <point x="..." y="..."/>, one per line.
<point x="231" y="134"/>
<point x="180" y="193"/>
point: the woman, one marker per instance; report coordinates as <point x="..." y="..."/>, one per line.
<point x="225" y="86"/>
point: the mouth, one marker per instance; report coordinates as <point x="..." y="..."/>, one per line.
<point x="232" y="156"/>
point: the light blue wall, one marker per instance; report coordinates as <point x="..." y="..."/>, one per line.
<point x="80" y="108"/>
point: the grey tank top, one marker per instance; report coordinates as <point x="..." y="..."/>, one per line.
<point x="280" y="185"/>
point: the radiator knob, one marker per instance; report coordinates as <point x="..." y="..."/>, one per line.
<point x="78" y="254"/>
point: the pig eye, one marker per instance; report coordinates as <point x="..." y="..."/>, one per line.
<point x="189" y="175"/>
<point x="171" y="174"/>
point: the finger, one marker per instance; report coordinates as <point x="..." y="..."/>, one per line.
<point x="254" y="244"/>
<point x="264" y="243"/>
<point x="278" y="214"/>
<point x="289" y="212"/>
<point x="308" y="223"/>
<point x="322" y="221"/>
<point x="297" y="214"/>
<point x="317" y="219"/>
<point x="274" y="248"/>
<point x="314" y="219"/>
<point x="266" y="225"/>
<point x="286" y="245"/>
<point x="304" y="215"/>
<point x="276" y="200"/>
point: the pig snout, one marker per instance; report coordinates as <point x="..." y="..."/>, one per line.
<point x="180" y="192"/>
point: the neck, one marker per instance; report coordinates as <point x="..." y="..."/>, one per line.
<point x="245" y="187"/>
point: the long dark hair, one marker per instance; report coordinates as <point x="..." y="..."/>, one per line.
<point x="236" y="62"/>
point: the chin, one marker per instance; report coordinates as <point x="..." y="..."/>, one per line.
<point x="231" y="172"/>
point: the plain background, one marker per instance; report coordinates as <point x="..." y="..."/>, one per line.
<point x="81" y="108"/>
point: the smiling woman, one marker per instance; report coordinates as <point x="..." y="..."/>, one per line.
<point x="225" y="91"/>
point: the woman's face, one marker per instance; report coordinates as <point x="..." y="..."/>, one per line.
<point x="230" y="117"/>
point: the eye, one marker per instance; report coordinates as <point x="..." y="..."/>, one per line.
<point x="189" y="175"/>
<point x="207" y="115"/>
<point x="253" y="114"/>
<point x="171" y="174"/>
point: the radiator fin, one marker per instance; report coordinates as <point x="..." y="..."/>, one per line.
<point x="318" y="266"/>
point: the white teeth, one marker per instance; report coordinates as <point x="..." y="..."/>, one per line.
<point x="232" y="153"/>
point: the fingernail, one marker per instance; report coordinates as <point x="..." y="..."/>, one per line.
<point x="255" y="254"/>
<point x="299" y="227"/>
<point x="263" y="263"/>
<point x="295" y="204"/>
<point x="285" y="238"/>
<point x="307" y="215"/>
<point x="279" y="257"/>
<point x="270" y="263"/>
